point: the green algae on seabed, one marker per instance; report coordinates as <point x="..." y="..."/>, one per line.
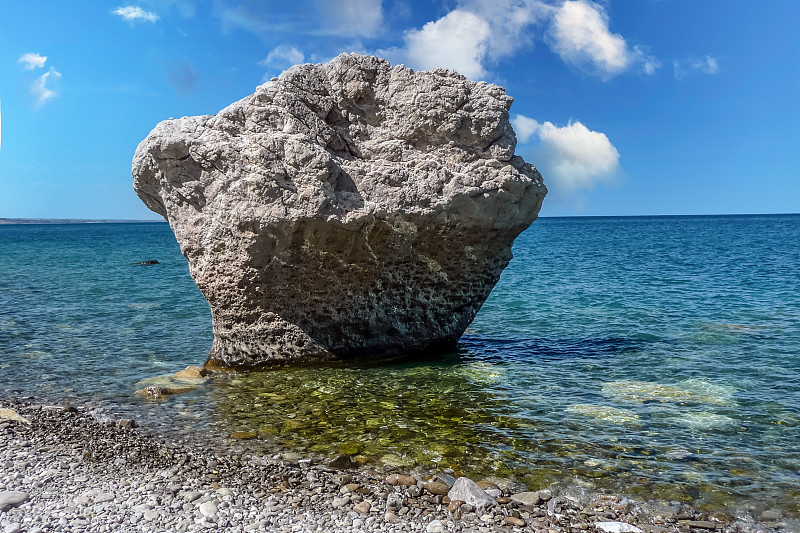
<point x="457" y="414"/>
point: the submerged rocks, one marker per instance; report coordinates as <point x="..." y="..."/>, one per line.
<point x="345" y="209"/>
<point x="155" y="392"/>
<point x="191" y="372"/>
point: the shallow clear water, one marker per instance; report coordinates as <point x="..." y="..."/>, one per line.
<point x="656" y="356"/>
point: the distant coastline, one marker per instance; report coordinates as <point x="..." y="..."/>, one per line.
<point x="70" y="221"/>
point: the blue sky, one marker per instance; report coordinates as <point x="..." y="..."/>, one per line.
<point x="629" y="107"/>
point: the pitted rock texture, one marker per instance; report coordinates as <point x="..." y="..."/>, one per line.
<point x="344" y="209"/>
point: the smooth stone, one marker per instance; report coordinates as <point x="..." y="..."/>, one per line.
<point x="391" y="517"/>
<point x="494" y="493"/>
<point x="435" y="526"/>
<point x="192" y="372"/>
<point x="468" y="491"/>
<point x="208" y="509"/>
<point x="437" y="488"/>
<point x="191" y="496"/>
<point x="12" y="498"/>
<point x="340" y="502"/>
<point x="531" y="499"/>
<point x="363" y="507"/>
<point x="455" y="505"/>
<point x="13" y="527"/>
<point x="514" y="521"/>
<point x="617" y="527"/>
<point x="402" y="480"/>
<point x="444" y="478"/>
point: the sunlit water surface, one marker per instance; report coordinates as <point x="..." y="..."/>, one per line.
<point x="658" y="357"/>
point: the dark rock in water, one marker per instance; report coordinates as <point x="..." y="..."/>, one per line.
<point x="343" y="462"/>
<point x="346" y="209"/>
<point x="146" y="263"/>
<point x="126" y="423"/>
<point x="155" y="392"/>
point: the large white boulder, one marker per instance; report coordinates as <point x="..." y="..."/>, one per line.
<point x="344" y="209"/>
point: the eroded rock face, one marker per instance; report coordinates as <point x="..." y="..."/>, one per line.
<point x="345" y="209"/>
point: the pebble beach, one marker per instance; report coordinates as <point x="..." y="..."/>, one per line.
<point x="64" y="468"/>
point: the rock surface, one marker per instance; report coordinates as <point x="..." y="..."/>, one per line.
<point x="470" y="492"/>
<point x="345" y="209"/>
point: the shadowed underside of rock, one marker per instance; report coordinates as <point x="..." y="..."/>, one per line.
<point x="345" y="209"/>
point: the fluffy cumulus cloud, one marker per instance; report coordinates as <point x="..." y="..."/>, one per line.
<point x="580" y="35"/>
<point x="511" y="22"/>
<point x="571" y="157"/>
<point x="478" y="33"/>
<point x="693" y="65"/>
<point x="135" y="13"/>
<point x="40" y="90"/>
<point x="31" y="61"/>
<point x="283" y="56"/>
<point x="468" y="38"/>
<point x="456" y="41"/>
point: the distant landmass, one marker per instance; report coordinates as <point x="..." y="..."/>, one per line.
<point x="68" y="221"/>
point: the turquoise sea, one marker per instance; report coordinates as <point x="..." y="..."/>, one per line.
<point x="654" y="356"/>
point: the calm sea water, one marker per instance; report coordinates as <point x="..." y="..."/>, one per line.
<point x="656" y="356"/>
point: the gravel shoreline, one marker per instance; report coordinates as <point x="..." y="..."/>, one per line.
<point x="63" y="470"/>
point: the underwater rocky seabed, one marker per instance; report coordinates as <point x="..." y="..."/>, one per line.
<point x="657" y="357"/>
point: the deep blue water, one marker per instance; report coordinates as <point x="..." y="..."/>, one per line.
<point x="657" y="356"/>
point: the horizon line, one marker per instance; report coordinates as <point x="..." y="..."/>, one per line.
<point x="42" y="220"/>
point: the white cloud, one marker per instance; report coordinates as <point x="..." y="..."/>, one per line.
<point x="649" y="62"/>
<point x="570" y="157"/>
<point x="510" y="21"/>
<point x="350" y="18"/>
<point x="701" y="64"/>
<point x="580" y="35"/>
<point x="283" y="56"/>
<point x="32" y="61"/>
<point x="456" y="41"/>
<point x="134" y="13"/>
<point x="480" y="32"/>
<point x="39" y="89"/>
<point x="467" y="38"/>
<point x="524" y="127"/>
